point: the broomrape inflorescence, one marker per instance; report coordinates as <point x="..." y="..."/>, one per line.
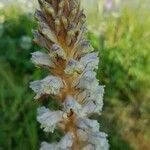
<point x="72" y="62"/>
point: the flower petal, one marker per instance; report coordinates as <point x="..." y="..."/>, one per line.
<point x="87" y="124"/>
<point x="66" y="142"/>
<point x="89" y="108"/>
<point x="87" y="80"/>
<point x="71" y="104"/>
<point x="49" y="85"/>
<point x="99" y="140"/>
<point x="96" y="95"/>
<point x="90" y="61"/>
<point x="41" y="59"/>
<point x="49" y="119"/>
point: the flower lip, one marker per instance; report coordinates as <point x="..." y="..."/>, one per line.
<point x="50" y="85"/>
<point x="49" y="119"/>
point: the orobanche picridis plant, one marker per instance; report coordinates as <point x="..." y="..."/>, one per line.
<point x="71" y="62"/>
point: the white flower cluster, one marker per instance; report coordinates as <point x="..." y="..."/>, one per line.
<point x="88" y="100"/>
<point x="87" y="131"/>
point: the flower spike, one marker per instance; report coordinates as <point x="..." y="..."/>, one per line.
<point x="72" y="63"/>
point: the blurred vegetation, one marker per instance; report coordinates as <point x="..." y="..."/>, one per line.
<point x="124" y="45"/>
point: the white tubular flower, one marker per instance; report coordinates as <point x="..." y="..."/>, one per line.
<point x="49" y="85"/>
<point x="87" y="124"/>
<point x="96" y="96"/>
<point x="65" y="144"/>
<point x="87" y="80"/>
<point x="41" y="59"/>
<point x="49" y="119"/>
<point x="91" y="107"/>
<point x="71" y="104"/>
<point x="97" y="139"/>
<point x="90" y="61"/>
